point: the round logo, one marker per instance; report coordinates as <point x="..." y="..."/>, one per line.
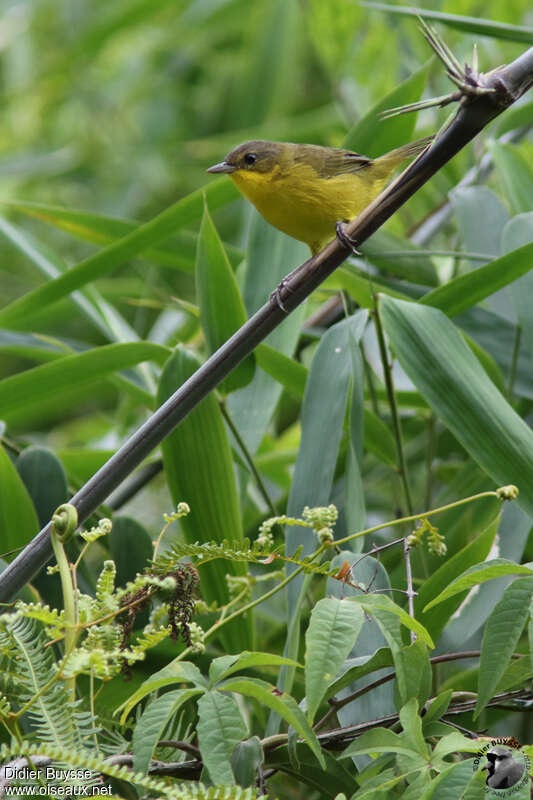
<point x="505" y="766"/>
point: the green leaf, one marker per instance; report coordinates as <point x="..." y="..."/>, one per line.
<point x="149" y="728"/>
<point x="224" y="666"/>
<point x="480" y="216"/>
<point x="477" y="574"/>
<point x="283" y="704"/>
<point x="476" y="788"/>
<point x="26" y="389"/>
<point x="518" y="672"/>
<point x="443" y="577"/>
<point x="518" y="232"/>
<point x="484" y="27"/>
<point x="246" y="760"/>
<point x="378" y="439"/>
<point x="31" y="346"/>
<point x="354" y="495"/>
<point x="271" y="57"/>
<point x="290" y="374"/>
<point x="454" y="743"/>
<point x="382" y="740"/>
<point x="515" y="117"/>
<point x="413" y="673"/>
<point x="44" y="478"/>
<point x="329" y="780"/>
<point x="355" y="668"/>
<point x="497" y="335"/>
<point x="372" y="136"/>
<point x="381" y="251"/>
<point x="131" y="548"/>
<point x="50" y="265"/>
<point x="221" y="307"/>
<point x="501" y="634"/>
<point x="101" y="229"/>
<point x="82" y="463"/>
<point x="435" y="357"/>
<point x="465" y="291"/>
<point x="270" y="256"/>
<point x="175" y="672"/>
<point x="451" y="782"/>
<point x="438" y="706"/>
<point x="18" y="520"/>
<point x="382" y="609"/>
<point x="332" y="632"/>
<point x="220" y="729"/>
<point x="515" y="173"/>
<point x="199" y="471"/>
<point x="184" y="212"/>
<point x="323" y="415"/>
<point x="411" y="723"/>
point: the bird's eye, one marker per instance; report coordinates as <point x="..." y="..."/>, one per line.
<point x="249" y="159"/>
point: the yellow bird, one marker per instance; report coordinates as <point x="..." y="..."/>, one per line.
<point x="304" y="190"/>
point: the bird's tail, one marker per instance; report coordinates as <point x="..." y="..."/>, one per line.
<point x="395" y="157"/>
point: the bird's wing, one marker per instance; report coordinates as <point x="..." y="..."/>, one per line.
<point x="328" y="162"/>
<point x="340" y="162"/>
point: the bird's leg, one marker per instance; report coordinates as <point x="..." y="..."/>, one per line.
<point x="275" y="296"/>
<point x="345" y="239"/>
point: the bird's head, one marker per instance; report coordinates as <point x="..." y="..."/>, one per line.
<point x="251" y="157"/>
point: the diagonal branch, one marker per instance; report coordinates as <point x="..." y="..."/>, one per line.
<point x="505" y="84"/>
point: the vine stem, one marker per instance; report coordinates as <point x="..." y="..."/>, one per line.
<point x="409" y="580"/>
<point x="414" y="517"/>
<point x="67" y="518"/>
<point x="387" y="373"/>
<point x="248" y="458"/>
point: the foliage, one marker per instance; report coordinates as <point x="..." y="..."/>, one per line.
<point x="337" y="515"/>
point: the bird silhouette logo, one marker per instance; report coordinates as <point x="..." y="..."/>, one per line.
<point x="503" y="769"/>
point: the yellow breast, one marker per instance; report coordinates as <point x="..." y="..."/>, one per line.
<point x="305" y="205"/>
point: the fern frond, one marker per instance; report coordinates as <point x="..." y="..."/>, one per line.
<point x="150" y="638"/>
<point x="48" y="616"/>
<point x="51" y="712"/>
<point x="207" y="551"/>
<point x="83" y="760"/>
<point x="105" y="586"/>
<point x="201" y="792"/>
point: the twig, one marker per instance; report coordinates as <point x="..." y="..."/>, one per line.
<point x="248" y="458"/>
<point x="409" y="580"/>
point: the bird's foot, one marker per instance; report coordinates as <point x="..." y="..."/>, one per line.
<point x="345" y="239"/>
<point x="275" y="296"/>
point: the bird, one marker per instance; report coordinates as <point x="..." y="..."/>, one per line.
<point x="309" y="191"/>
<point x="503" y="771"/>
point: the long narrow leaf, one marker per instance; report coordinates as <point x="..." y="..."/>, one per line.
<point x="485" y="27"/>
<point x="435" y="357"/>
<point x="182" y="213"/>
<point x="27" y="389"/>
<point x="467" y="290"/>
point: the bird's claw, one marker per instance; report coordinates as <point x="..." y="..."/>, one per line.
<point x="275" y="296"/>
<point x="345" y="239"/>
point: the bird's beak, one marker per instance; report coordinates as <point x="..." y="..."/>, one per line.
<point x="222" y="167"/>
